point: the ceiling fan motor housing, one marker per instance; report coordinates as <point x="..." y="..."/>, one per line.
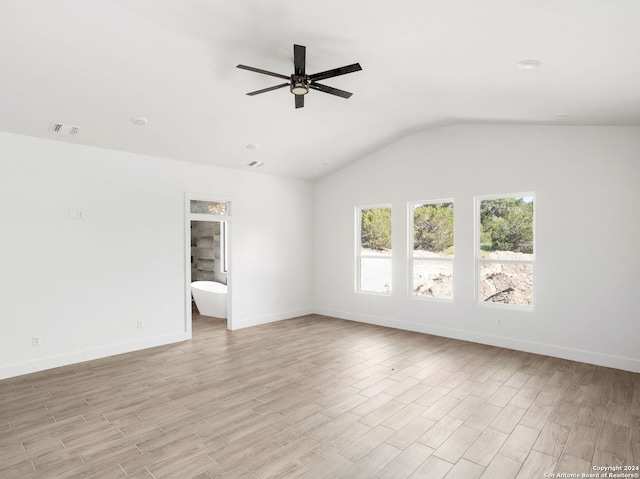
<point x="299" y="85"/>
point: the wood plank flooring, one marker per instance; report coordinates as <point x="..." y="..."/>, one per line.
<point x="317" y="397"/>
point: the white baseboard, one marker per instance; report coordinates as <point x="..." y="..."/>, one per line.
<point x="590" y="357"/>
<point x="270" y="318"/>
<point x="49" y="362"/>
<point x="42" y="364"/>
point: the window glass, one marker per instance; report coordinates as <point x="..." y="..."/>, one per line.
<point x="374" y="249"/>
<point x="431" y="249"/>
<point x="375" y="274"/>
<point x="209" y="207"/>
<point x="506" y="226"/>
<point x="505" y="251"/>
<point x="506" y="283"/>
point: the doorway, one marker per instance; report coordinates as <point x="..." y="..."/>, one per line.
<point x="208" y="256"/>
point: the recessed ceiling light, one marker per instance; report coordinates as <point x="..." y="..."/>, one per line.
<point x="253" y="146"/>
<point x="255" y="164"/>
<point x="529" y="64"/>
<point x="139" y="120"/>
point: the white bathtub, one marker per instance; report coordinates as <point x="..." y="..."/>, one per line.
<point x="210" y="298"/>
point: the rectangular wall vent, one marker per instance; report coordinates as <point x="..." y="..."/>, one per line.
<point x="63" y="129"/>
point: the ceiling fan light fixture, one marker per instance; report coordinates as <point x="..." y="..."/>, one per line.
<point x="299" y="86"/>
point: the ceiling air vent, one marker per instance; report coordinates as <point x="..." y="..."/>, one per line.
<point x="63" y="129"/>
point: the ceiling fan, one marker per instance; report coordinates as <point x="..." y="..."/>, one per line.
<point x="299" y="82"/>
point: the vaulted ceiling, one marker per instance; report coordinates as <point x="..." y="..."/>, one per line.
<point x="98" y="64"/>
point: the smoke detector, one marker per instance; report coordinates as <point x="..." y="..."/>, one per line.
<point x="63" y="129"/>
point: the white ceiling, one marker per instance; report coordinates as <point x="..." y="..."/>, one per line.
<point x="96" y="64"/>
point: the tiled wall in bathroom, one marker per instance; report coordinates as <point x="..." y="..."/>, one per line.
<point x="205" y="251"/>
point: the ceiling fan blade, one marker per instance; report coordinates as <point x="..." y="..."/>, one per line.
<point x="264" y="72"/>
<point x="264" y="90"/>
<point x="299" y="101"/>
<point x="299" y="59"/>
<point x="330" y="90"/>
<point x="335" y="72"/>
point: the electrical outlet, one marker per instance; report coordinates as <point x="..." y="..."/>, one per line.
<point x="140" y="324"/>
<point x="499" y="323"/>
<point x="76" y="215"/>
<point x="35" y="341"/>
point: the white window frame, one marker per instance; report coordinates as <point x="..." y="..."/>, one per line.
<point x="479" y="260"/>
<point x="359" y="255"/>
<point x="411" y="206"/>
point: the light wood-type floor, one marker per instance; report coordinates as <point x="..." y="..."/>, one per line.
<point x="317" y="397"/>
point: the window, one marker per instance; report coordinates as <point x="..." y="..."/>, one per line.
<point x="373" y="249"/>
<point x="431" y="249"/>
<point x="220" y="208"/>
<point x="505" y="249"/>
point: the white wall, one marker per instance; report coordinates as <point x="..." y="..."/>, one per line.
<point x="82" y="285"/>
<point x="587" y="185"/>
